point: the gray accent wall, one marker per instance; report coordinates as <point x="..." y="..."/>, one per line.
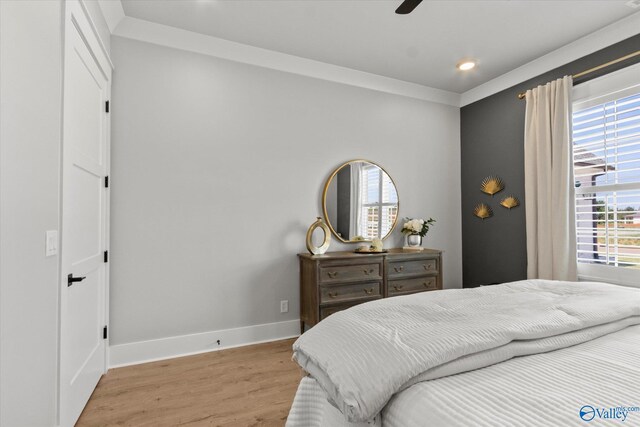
<point x="492" y="143"/>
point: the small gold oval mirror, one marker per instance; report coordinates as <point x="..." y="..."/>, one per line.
<point x="326" y="240"/>
<point x="360" y="202"/>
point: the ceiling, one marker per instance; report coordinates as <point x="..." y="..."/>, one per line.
<point x="422" y="47"/>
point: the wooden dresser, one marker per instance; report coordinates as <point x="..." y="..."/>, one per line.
<point x="338" y="280"/>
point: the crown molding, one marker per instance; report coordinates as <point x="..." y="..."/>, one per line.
<point x="606" y="36"/>
<point x="137" y="29"/>
<point x="113" y="12"/>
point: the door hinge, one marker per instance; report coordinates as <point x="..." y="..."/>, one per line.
<point x="106" y="107"/>
<point x="106" y="256"/>
<point x="106" y="181"/>
<point x="104" y="333"/>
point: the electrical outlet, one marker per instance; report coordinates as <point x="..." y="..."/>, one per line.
<point x="284" y="306"/>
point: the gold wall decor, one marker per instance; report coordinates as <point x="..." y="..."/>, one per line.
<point x="492" y="185"/>
<point x="318" y="250"/>
<point x="483" y="211"/>
<point x="510" y="202"/>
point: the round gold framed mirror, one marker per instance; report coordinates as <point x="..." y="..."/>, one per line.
<point x="360" y="202"/>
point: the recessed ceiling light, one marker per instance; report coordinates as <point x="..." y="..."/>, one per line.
<point x="465" y="65"/>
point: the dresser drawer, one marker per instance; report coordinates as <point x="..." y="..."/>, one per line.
<point x="329" y="310"/>
<point x="354" y="291"/>
<point x="413" y="267"/>
<point x="418" y="284"/>
<point x="345" y="273"/>
<point x="336" y="281"/>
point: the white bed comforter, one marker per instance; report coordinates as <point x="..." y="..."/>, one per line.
<point x="541" y="390"/>
<point x="363" y="356"/>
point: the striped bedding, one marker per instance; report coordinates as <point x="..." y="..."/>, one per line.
<point x="546" y="389"/>
<point x="362" y="359"/>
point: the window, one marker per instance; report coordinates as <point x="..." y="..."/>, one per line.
<point x="606" y="156"/>
<point x="379" y="203"/>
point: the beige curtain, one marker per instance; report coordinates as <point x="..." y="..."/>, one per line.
<point x="549" y="183"/>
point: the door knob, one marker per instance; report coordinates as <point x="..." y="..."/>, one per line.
<point x="71" y="280"/>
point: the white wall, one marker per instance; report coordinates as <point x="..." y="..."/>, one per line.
<point x="30" y="147"/>
<point x="30" y="104"/>
<point x="218" y="169"/>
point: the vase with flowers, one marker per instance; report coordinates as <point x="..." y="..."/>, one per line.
<point x="414" y="230"/>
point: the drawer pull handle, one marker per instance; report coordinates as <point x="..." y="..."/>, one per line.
<point x="332" y="274"/>
<point x="367" y="272"/>
<point x="368" y="291"/>
<point x="333" y="294"/>
<point x="426" y="284"/>
<point x="399" y="269"/>
<point x="427" y="266"/>
<point x="398" y="287"/>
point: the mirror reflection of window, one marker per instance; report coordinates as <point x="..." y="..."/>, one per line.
<point x="360" y="202"/>
<point x="378" y="201"/>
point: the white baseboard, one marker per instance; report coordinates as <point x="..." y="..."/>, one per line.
<point x="185" y="345"/>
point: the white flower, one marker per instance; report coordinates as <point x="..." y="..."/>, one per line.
<point x="414" y="225"/>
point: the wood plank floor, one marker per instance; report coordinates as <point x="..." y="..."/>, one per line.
<point x="247" y="386"/>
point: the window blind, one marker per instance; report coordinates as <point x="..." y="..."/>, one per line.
<point x="606" y="156"/>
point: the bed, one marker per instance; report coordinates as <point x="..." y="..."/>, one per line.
<point x="528" y="353"/>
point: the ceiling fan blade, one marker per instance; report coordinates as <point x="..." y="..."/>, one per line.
<point x="407" y="6"/>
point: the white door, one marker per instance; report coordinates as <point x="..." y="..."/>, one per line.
<point x="84" y="219"/>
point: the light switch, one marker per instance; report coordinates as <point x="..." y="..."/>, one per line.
<point x="51" y="243"/>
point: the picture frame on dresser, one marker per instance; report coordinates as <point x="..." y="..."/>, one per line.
<point x="336" y="281"/>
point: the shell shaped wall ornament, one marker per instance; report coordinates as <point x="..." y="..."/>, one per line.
<point x="510" y="202"/>
<point x="483" y="211"/>
<point x="492" y="185"/>
<point x="318" y="250"/>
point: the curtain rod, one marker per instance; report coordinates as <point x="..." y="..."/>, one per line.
<point x="522" y="95"/>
